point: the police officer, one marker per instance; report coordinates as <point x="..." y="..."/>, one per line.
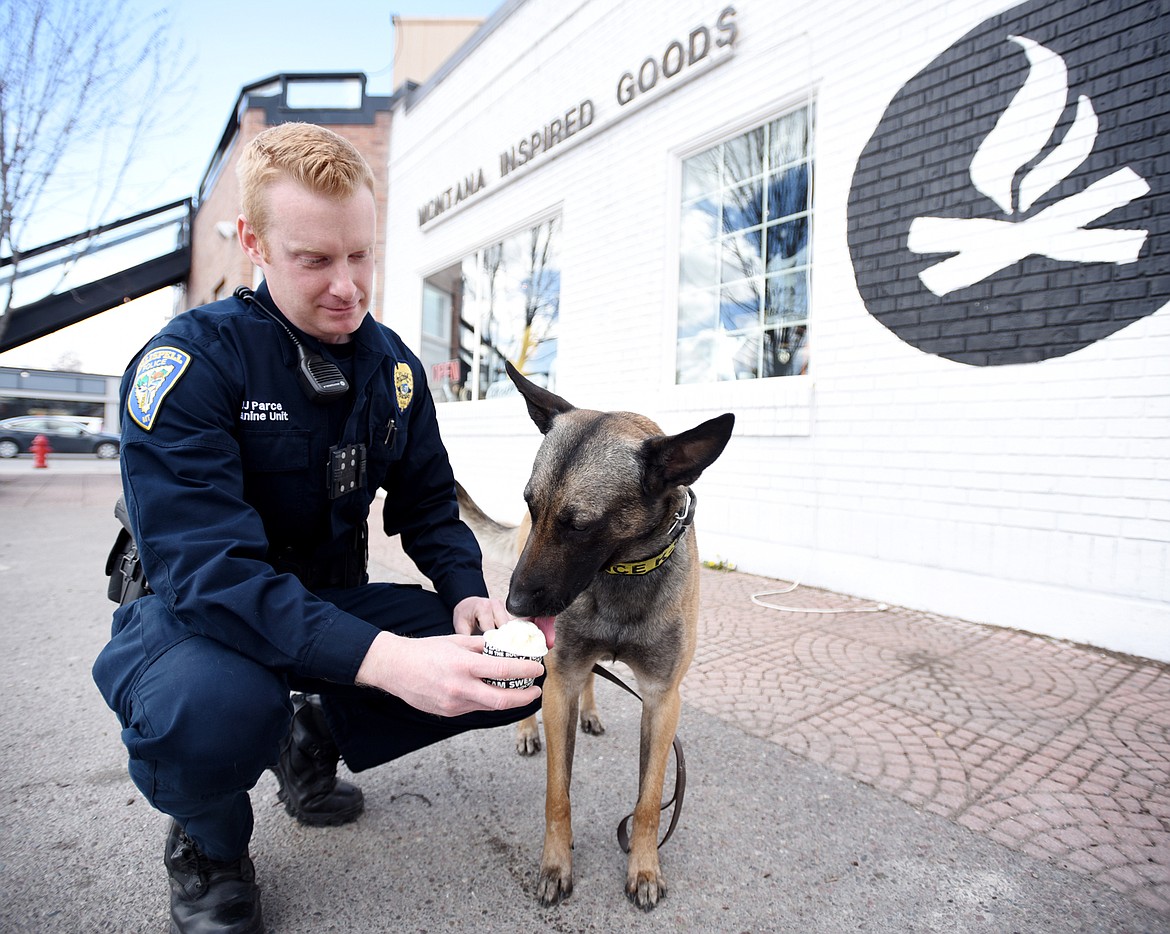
<point x="257" y="431"/>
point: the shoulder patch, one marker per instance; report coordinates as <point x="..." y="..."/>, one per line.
<point x="157" y="373"/>
<point x="403" y="385"/>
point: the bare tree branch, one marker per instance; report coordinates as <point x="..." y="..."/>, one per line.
<point x="80" y="83"/>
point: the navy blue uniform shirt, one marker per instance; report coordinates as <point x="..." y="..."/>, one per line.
<point x="224" y="470"/>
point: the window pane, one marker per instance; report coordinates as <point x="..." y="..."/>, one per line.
<point x="436" y="320"/>
<point x="787" y="244"/>
<point x="542" y="309"/>
<point x="706" y="357"/>
<point x="743" y="206"/>
<point x="788" y="192"/>
<point x="474" y="295"/>
<point x="747" y="358"/>
<point x="786" y="298"/>
<point x="743" y="157"/>
<point x="740" y="256"/>
<point x="700" y="222"/>
<point x="698" y="266"/>
<point x="439" y="349"/>
<point x="786" y="351"/>
<point x="701" y="174"/>
<point x="739" y="306"/>
<point x="788" y="139"/>
<point x="698" y="311"/>
<point x="499" y="324"/>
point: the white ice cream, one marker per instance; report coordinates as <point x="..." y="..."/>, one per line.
<point x="517" y="637"/>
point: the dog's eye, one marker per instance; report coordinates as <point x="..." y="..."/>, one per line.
<point x="575" y="523"/>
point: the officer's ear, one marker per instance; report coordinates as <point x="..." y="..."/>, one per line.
<point x="250" y="241"/>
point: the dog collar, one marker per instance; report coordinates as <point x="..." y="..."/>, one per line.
<point x="677" y="530"/>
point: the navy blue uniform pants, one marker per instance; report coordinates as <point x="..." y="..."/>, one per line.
<point x="202" y="722"/>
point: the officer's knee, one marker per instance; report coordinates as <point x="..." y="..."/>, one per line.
<point x="212" y="723"/>
<point x="239" y="720"/>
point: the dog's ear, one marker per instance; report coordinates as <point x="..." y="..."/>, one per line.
<point x="679" y="460"/>
<point x="543" y="405"/>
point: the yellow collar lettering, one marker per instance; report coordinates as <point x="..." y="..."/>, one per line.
<point x="646" y="566"/>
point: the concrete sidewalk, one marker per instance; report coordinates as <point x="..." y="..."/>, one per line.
<point x="856" y="770"/>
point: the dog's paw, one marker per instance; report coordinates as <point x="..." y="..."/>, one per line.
<point x="646" y="889"/>
<point x="555" y="885"/>
<point x="527" y="739"/>
<point x="591" y="723"/>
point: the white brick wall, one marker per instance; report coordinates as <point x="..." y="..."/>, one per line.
<point x="1035" y="495"/>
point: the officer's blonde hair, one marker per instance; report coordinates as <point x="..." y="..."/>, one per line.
<point x="322" y="161"/>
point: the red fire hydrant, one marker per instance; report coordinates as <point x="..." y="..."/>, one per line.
<point x="40" y="447"/>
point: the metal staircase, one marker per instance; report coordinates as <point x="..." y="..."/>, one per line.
<point x="75" y="303"/>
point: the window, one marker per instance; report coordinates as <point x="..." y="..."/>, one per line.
<point x="499" y="304"/>
<point x="745" y="255"/>
<point x="324" y="94"/>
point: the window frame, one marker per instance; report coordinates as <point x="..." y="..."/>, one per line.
<point x="764" y="408"/>
<point x="674" y="291"/>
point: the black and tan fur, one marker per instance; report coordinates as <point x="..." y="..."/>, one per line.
<point x="605" y="489"/>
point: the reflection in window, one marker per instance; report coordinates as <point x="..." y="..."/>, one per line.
<point x="499" y="304"/>
<point x="745" y="254"/>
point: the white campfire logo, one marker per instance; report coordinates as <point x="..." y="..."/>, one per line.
<point x="984" y="246"/>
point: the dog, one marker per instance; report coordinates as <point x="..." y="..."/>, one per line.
<point x="609" y="550"/>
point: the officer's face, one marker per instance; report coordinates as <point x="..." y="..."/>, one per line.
<point x="317" y="256"/>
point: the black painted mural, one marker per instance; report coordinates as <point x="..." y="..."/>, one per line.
<point x="1013" y="203"/>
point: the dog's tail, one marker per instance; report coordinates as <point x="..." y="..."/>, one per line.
<point x="499" y="542"/>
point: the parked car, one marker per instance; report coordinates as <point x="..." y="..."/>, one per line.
<point x="66" y="436"/>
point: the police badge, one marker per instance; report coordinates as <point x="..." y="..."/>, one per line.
<point x="403" y="385"/>
<point x="157" y="373"/>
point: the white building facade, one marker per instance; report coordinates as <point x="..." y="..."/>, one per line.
<point x="921" y="250"/>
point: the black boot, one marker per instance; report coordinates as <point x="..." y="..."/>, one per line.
<point x="307" y="770"/>
<point x="208" y="896"/>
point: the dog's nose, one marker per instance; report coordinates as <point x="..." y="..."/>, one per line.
<point x="525" y="604"/>
<point x="526" y="600"/>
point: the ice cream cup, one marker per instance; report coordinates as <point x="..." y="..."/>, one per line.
<point x="517" y="638"/>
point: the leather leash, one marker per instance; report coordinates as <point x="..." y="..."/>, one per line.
<point x="680" y="774"/>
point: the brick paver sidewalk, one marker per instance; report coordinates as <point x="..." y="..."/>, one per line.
<point x="1058" y="751"/>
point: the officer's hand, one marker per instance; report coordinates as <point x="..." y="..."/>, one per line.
<point x="444" y="674"/>
<point x="479" y="614"/>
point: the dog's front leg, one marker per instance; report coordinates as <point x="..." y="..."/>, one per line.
<point x="645" y="884"/>
<point x="559" y="709"/>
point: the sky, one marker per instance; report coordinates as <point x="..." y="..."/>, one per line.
<point x="264" y="39"/>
